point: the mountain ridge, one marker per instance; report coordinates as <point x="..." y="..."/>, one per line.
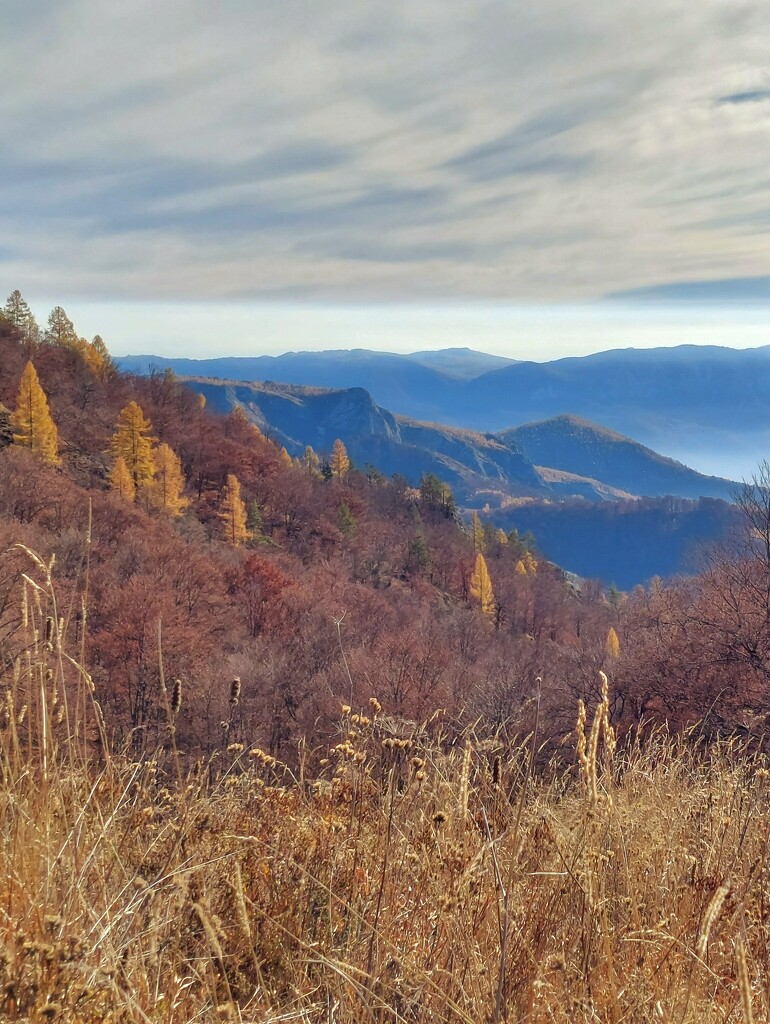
<point x="297" y="416"/>
<point x="702" y="405"/>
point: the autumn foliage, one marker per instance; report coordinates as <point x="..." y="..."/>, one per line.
<point x="189" y="537"/>
<point x="282" y="741"/>
<point x="32" y="424"/>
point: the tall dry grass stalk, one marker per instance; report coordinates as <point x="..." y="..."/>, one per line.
<point x="409" y="879"/>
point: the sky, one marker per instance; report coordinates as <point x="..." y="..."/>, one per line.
<point x="531" y="179"/>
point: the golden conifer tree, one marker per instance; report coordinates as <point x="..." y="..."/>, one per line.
<point x="521" y="569"/>
<point x="121" y="480"/>
<point x="132" y="442"/>
<point x="340" y="460"/>
<point x="98" y="358"/>
<point x="502" y="537"/>
<point x="165" y="491"/>
<point x="311" y="462"/>
<point x="32" y="424"/>
<point x="612" y="645"/>
<point x="481" y="587"/>
<point x="530" y="564"/>
<point x="232" y="512"/>
<point x="477" y="533"/>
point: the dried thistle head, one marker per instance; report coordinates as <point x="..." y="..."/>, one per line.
<point x="235" y="691"/>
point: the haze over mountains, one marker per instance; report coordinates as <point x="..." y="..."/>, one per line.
<point x="703" y="405"/>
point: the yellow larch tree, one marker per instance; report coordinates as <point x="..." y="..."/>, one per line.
<point x="311" y="462"/>
<point x="32" y="424"/>
<point x="97" y="358"/>
<point x="612" y="644"/>
<point x="132" y="442"/>
<point x="121" y="480"/>
<point x="521" y="569"/>
<point x="481" y="587"/>
<point x="165" y="491"/>
<point x="340" y="460"/>
<point x="232" y="512"/>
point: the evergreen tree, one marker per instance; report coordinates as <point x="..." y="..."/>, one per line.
<point x="477" y="533"/>
<point x="340" y="460"/>
<point x="6" y="428"/>
<point x="18" y="312"/>
<point x="437" y="498"/>
<point x="481" y="587"/>
<point x="61" y="330"/>
<point x="418" y="554"/>
<point x="121" y="480"/>
<point x="32" y="424"/>
<point x="346" y="521"/>
<point x="132" y="442"/>
<point x="165" y="491"/>
<point x="232" y="512"/>
<point x="612" y="645"/>
<point x="254" y="520"/>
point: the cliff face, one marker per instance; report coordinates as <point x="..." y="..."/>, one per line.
<point x="297" y="416"/>
<point x="558" y="458"/>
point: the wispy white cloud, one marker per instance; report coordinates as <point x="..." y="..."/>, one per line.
<point x="419" y="148"/>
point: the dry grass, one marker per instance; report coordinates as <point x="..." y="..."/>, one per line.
<point x="409" y="882"/>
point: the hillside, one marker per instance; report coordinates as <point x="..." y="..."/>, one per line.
<point x="702" y="405"/>
<point x="338" y="587"/>
<point x="591" y="461"/>
<point x="577" y="446"/>
<point x="296" y="417"/>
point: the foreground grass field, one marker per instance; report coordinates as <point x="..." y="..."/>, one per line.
<point x="410" y="879"/>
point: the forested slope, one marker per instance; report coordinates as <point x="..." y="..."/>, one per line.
<point x="319" y="585"/>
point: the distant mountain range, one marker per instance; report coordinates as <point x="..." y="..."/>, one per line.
<point x="701" y="404"/>
<point x="561" y="457"/>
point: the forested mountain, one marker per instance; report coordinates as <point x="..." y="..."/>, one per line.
<point x="701" y="404"/>
<point x="595" y="463"/>
<point x="587" y="449"/>
<point x="296" y="417"/>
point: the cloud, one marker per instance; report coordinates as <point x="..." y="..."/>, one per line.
<point x="750" y="96"/>
<point x="741" y="290"/>
<point x="177" y="149"/>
